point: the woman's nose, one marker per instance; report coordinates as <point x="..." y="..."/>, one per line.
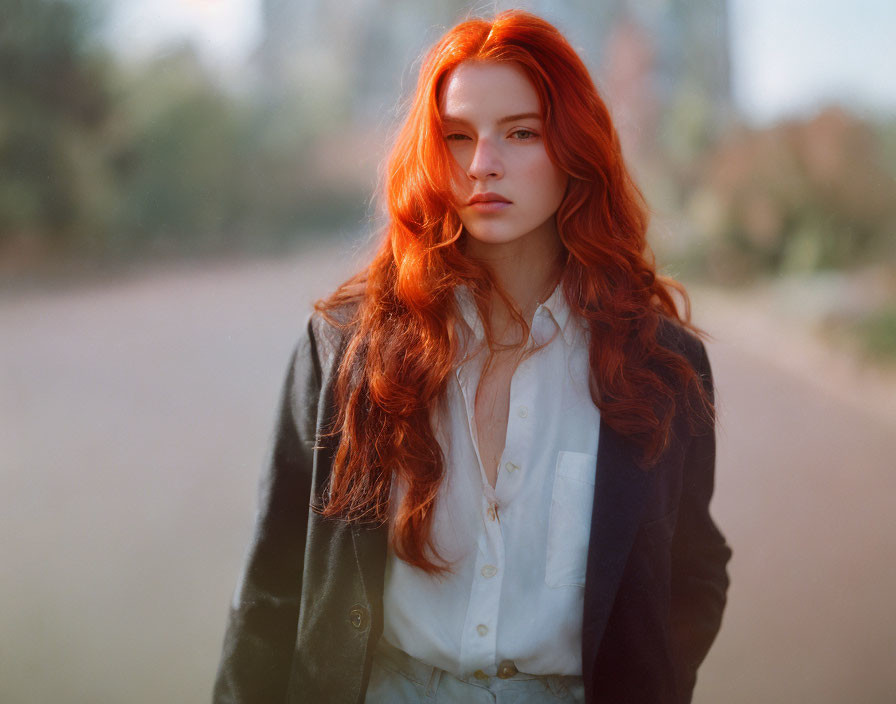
<point x="486" y="162"/>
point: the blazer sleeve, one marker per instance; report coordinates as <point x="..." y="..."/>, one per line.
<point x="261" y="629"/>
<point x="699" y="553"/>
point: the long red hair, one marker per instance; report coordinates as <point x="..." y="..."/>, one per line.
<point x="401" y="340"/>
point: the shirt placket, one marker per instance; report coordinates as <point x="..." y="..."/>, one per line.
<point x="479" y="639"/>
<point x="479" y="644"/>
<point x="521" y="425"/>
<point x="522" y="419"/>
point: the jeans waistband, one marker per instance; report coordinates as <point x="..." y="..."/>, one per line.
<point x="425" y="674"/>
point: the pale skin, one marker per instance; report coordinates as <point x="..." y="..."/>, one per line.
<point x="493" y="126"/>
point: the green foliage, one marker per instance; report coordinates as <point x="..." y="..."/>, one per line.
<point x="178" y="155"/>
<point x="796" y="197"/>
<point x="100" y="161"/>
<point x="877" y="332"/>
<point x="52" y="185"/>
<point x="48" y="59"/>
<point x="885" y="134"/>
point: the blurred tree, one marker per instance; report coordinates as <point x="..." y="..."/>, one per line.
<point x="53" y="78"/>
<point x="201" y="170"/>
<point x="179" y="148"/>
<point x="101" y="160"/>
<point x="796" y="197"/>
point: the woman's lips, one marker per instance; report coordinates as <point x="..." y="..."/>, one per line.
<point x="489" y="206"/>
<point x="488" y="203"/>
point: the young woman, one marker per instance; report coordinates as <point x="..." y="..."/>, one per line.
<point x="494" y="457"/>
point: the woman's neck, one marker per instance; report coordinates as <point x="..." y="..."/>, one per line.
<point x="528" y="269"/>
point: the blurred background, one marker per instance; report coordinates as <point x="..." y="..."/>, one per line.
<point x="180" y="179"/>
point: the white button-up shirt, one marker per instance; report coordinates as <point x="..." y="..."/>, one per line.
<point x="518" y="550"/>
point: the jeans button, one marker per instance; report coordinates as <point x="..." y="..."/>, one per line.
<point x="506" y="669"/>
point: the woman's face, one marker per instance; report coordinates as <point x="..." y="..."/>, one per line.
<point x="506" y="187"/>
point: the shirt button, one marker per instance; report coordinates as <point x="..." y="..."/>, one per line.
<point x="480" y="675"/>
<point x="489" y="571"/>
<point x="492" y="513"/>
<point x="510" y="466"/>
<point x="482" y="629"/>
<point x="522" y="412"/>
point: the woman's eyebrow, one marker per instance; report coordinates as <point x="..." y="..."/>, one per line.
<point x="509" y="118"/>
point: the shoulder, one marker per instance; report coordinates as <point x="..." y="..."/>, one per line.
<point x="676" y="337"/>
<point x="332" y="327"/>
<point x="315" y="361"/>
<point x="325" y="334"/>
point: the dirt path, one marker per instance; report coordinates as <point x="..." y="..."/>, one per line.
<point x="134" y="417"/>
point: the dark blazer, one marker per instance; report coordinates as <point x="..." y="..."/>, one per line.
<point x="307" y="612"/>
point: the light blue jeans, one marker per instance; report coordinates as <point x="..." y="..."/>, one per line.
<point x="397" y="678"/>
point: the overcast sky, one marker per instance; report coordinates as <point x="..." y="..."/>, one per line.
<point x="789" y="56"/>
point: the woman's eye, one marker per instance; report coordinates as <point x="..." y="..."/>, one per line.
<point x="523" y="134"/>
<point x="455" y="137"/>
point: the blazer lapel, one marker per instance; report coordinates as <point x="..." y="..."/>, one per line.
<point x="619" y="492"/>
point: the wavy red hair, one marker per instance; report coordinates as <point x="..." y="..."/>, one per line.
<point x="401" y="341"/>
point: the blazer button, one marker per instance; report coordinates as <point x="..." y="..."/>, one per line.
<point x="358" y="617"/>
<point x="506" y="669"/>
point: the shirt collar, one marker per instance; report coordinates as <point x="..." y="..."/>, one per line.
<point x="467" y="307"/>
<point x="556" y="307"/>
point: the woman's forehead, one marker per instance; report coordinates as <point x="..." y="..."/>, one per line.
<point x="488" y="91"/>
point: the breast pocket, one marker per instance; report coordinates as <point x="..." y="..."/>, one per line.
<point x="569" y="526"/>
